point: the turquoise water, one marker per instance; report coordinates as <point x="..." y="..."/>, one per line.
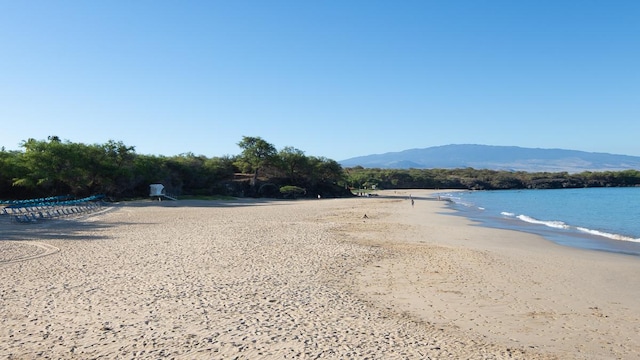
<point x="606" y="219"/>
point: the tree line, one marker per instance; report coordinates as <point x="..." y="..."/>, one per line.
<point x="55" y="167"/>
<point x="475" y="179"/>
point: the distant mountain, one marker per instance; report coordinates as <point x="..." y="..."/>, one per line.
<point x="510" y="158"/>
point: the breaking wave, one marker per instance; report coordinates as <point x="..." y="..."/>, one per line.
<point x="608" y="235"/>
<point x="562" y="225"/>
<point x="552" y="224"/>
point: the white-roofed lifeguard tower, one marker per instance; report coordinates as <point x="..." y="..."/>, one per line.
<point x="157" y="191"/>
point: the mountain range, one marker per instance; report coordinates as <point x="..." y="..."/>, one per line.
<point x="509" y="158"/>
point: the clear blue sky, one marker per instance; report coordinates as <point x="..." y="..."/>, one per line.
<point x="332" y="78"/>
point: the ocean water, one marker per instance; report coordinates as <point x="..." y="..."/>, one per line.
<point x="604" y="219"/>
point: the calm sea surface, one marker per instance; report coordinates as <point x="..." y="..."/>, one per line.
<point x="606" y="219"/>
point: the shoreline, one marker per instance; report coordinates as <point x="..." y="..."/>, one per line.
<point x="514" y="287"/>
<point x="271" y="279"/>
<point x="575" y="236"/>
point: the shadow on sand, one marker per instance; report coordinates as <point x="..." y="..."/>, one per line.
<point x="78" y="228"/>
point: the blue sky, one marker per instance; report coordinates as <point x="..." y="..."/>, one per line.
<point x="332" y="78"/>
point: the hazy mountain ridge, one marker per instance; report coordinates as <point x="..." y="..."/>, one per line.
<point x="511" y="158"/>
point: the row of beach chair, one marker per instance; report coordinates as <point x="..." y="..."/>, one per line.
<point x="31" y="211"/>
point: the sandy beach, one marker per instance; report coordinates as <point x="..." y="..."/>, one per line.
<point x="259" y="279"/>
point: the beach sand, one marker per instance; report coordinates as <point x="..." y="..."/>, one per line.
<point x="257" y="279"/>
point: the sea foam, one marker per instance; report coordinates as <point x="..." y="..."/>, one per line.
<point x="607" y="235"/>
<point x="553" y="224"/>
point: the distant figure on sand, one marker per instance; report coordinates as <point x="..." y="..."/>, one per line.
<point x="411" y="202"/>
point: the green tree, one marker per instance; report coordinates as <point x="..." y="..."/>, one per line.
<point x="49" y="166"/>
<point x="325" y="171"/>
<point x="11" y="168"/>
<point x="294" y="163"/>
<point x="147" y="169"/>
<point x="116" y="171"/>
<point x="220" y="168"/>
<point x="256" y="154"/>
